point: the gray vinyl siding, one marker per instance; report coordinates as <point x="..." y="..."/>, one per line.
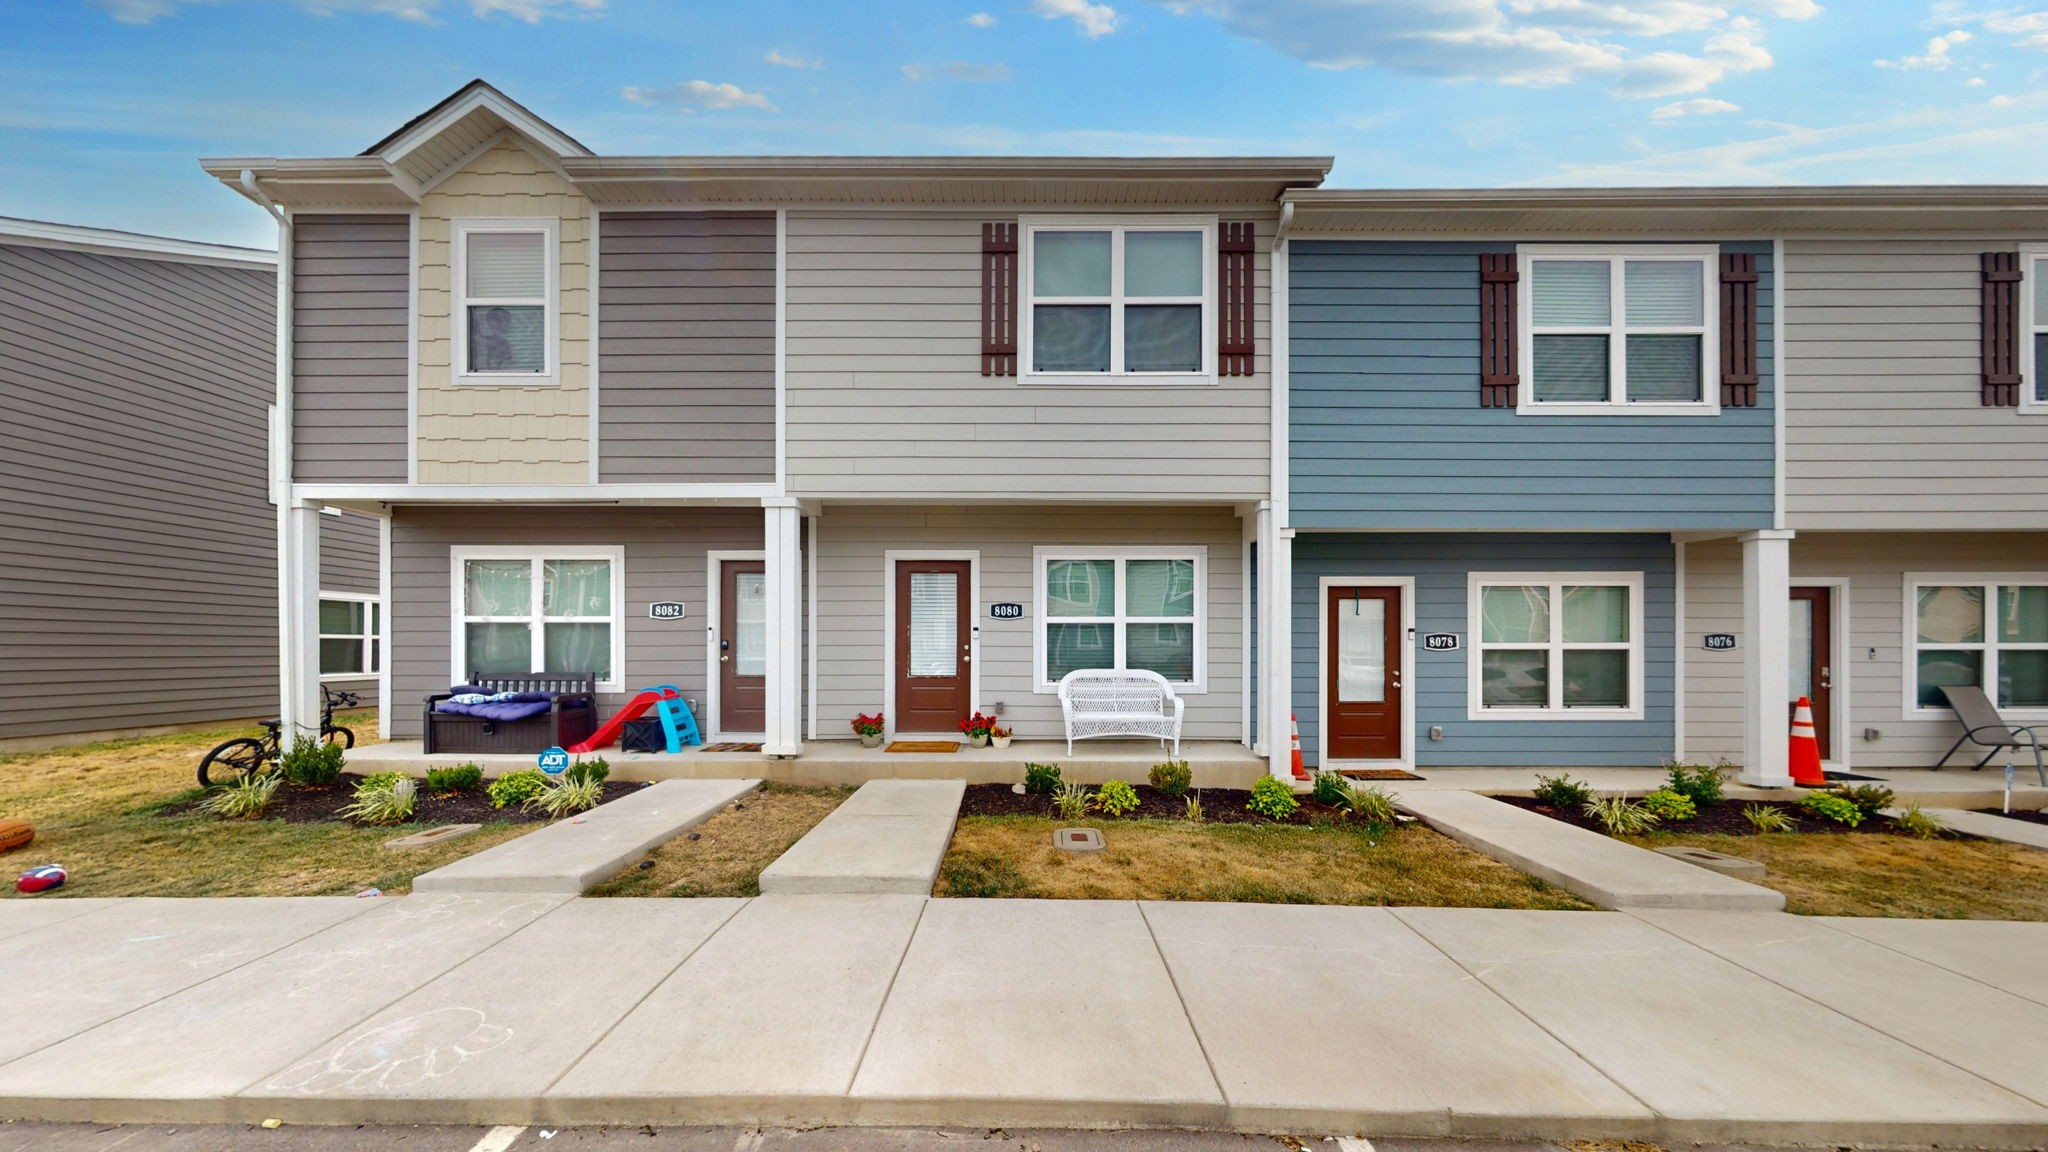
<point x="1441" y="563"/>
<point x="886" y="398"/>
<point x="350" y="307"/>
<point x="138" y="570"/>
<point x="686" y="347"/>
<point x="665" y="560"/>
<point x="1386" y="431"/>
<point x="1884" y="425"/>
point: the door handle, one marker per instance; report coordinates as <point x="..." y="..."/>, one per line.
<point x="723" y="659"/>
<point x="1826" y="678"/>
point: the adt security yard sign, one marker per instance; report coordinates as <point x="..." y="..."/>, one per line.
<point x="554" y="761"/>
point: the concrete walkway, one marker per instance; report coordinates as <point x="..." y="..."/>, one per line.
<point x="1991" y="827"/>
<point x="1676" y="1026"/>
<point x="887" y="839"/>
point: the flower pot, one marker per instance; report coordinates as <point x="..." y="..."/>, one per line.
<point x="978" y="740"/>
<point x="873" y="740"/>
<point x="999" y="741"/>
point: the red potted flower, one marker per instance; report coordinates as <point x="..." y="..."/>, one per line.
<point x="977" y="728"/>
<point x="869" y="728"/>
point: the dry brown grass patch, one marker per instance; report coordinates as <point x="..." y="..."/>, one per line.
<point x="1823" y="875"/>
<point x="731" y="848"/>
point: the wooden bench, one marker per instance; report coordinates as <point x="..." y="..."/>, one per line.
<point x="570" y="718"/>
<point x="1102" y="702"/>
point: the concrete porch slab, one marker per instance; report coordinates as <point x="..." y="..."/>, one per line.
<point x="887" y="838"/>
<point x="1719" y="1052"/>
<point x="1020" y="1012"/>
<point x="1404" y="1041"/>
<point x="568" y="856"/>
<point x="1601" y="869"/>
<point x="2004" y="954"/>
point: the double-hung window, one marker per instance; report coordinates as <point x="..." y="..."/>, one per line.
<point x="1122" y="608"/>
<point x="1989" y="633"/>
<point x="1128" y="301"/>
<point x="350" y="635"/>
<point x="1556" y="645"/>
<point x="505" y="320"/>
<point x="2033" y="342"/>
<point x="1619" y="330"/>
<point x="550" y="610"/>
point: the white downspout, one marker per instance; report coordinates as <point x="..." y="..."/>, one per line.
<point x="280" y="472"/>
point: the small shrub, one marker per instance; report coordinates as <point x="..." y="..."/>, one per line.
<point x="1918" y="823"/>
<point x="1765" y="818"/>
<point x="1073" y="801"/>
<point x="1666" y="804"/>
<point x="1330" y="789"/>
<point x="567" y="798"/>
<point x="1369" y="804"/>
<point x="1562" y="792"/>
<point x="1829" y="806"/>
<point x="1042" y="778"/>
<point x="378" y="782"/>
<point x="1174" y="777"/>
<point x="1620" y="816"/>
<point x="1193" y="810"/>
<point x="593" y="770"/>
<point x="383" y="801"/>
<point x="1870" y="799"/>
<point x="461" y="778"/>
<point x="247" y="796"/>
<point x="1696" y="782"/>
<point x="516" y="788"/>
<point x="1273" y="798"/>
<point x="312" y="763"/>
<point x="1116" y="798"/>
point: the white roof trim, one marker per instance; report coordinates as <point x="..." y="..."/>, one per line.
<point x="525" y="123"/>
<point x="108" y="241"/>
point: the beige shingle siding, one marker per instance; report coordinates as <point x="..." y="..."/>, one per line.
<point x="487" y="434"/>
<point x="1884" y="425"/>
<point x="886" y="398"/>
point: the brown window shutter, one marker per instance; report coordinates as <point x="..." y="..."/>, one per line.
<point x="999" y="299"/>
<point x="1234" y="315"/>
<point x="1498" y="346"/>
<point x="2001" y="388"/>
<point x="1738" y="330"/>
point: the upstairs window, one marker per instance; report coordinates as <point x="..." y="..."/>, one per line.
<point x="2033" y="329"/>
<point x="505" y="313"/>
<point x="1119" y="300"/>
<point x="1620" y="330"/>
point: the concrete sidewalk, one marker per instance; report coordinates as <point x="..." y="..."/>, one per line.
<point x="498" y="1008"/>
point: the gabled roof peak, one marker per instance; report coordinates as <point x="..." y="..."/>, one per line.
<point x="474" y="111"/>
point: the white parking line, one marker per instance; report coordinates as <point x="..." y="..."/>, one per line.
<point x="498" y="1139"/>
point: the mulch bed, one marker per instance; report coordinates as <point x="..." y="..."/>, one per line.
<point x="1723" y="819"/>
<point x="1219" y="806"/>
<point x="297" y="804"/>
<point x="2016" y="814"/>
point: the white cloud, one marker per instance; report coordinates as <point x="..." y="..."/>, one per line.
<point x="1701" y="106"/>
<point x="1092" y="19"/>
<point x="534" y="11"/>
<point x="2002" y="101"/>
<point x="1937" y="58"/>
<point x="417" y="11"/>
<point x="2029" y="29"/>
<point x="982" y="20"/>
<point x="137" y="11"/>
<point x="957" y="70"/>
<point x="792" y="60"/>
<point x="1974" y="82"/>
<point x="691" y="95"/>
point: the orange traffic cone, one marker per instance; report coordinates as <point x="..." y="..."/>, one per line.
<point x="1804" y="757"/>
<point x="1300" y="773"/>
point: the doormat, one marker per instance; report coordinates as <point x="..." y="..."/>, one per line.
<point x="1377" y="774"/>
<point x="732" y="746"/>
<point x="1849" y="776"/>
<point x="923" y="746"/>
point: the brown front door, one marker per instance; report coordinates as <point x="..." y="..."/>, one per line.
<point x="1362" y="705"/>
<point x="934" y="621"/>
<point x="742" y="646"/>
<point x="1813" y="648"/>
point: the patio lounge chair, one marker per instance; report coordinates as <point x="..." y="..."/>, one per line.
<point x="1982" y="727"/>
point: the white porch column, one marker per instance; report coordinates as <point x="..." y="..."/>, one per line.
<point x="783" y="583"/>
<point x="298" y="619"/>
<point x="1276" y="698"/>
<point x="1766" y="663"/>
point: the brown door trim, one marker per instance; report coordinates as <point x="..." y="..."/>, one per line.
<point x="1822" y="656"/>
<point x="932" y="705"/>
<point x="1368" y="732"/>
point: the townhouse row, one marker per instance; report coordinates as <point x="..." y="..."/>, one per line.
<point x="1449" y="478"/>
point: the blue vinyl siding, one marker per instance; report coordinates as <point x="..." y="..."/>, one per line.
<point x="1440" y="564"/>
<point x="1387" y="431"/>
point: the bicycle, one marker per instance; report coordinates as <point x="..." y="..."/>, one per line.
<point x="245" y="756"/>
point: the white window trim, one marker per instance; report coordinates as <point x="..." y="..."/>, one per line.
<point x="1909" y="663"/>
<point x="457" y="557"/>
<point x="2030" y="403"/>
<point x="372" y="653"/>
<point x="1709" y="403"/>
<point x="1198" y="553"/>
<point x="1117" y="226"/>
<point x="459" y="301"/>
<point x="1555" y="710"/>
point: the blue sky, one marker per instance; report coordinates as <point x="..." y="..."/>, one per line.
<point x="106" y="104"/>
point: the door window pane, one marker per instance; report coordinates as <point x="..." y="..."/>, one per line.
<point x="497" y="649"/>
<point x="1158" y="588"/>
<point x="1080" y="588"/>
<point x="1070" y="338"/>
<point x="2023" y="615"/>
<point x="934" y="623"/>
<point x="1162" y="264"/>
<point x="1163" y="338"/>
<point x="1596" y="678"/>
<point x="579" y="648"/>
<point x="340" y="655"/>
<point x="576" y="588"/>
<point x="1514" y="678"/>
<point x="2023" y="678"/>
<point x="1664" y="293"/>
<point x="1951" y="615"/>
<point x="1570" y="293"/>
<point x="508" y="338"/>
<point x="1940" y="668"/>
<point x="1595" y="614"/>
<point x="1570" y="368"/>
<point x="1801" y="679"/>
<point x="750" y="620"/>
<point x="1070" y="264"/>
<point x="1069" y="647"/>
<point x="1168" y="649"/>
<point x="1362" y="651"/>
<point x="1515" y="614"/>
<point x="498" y="588"/>
<point x="1663" y="369"/>
<point x="507" y="265"/>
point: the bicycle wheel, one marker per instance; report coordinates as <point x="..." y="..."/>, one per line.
<point x="232" y="761"/>
<point x="336" y="734"/>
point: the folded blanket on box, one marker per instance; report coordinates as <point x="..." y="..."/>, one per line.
<point x="503" y="706"/>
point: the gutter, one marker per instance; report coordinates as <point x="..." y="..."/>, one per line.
<point x="1286" y="225"/>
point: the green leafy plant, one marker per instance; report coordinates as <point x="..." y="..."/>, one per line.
<point x="567" y="797"/>
<point x="1369" y="804"/>
<point x="515" y="788"/>
<point x="1698" y="783"/>
<point x="1870" y="799"/>
<point x="1666" y="804"/>
<point x="1073" y="801"/>
<point x="1619" y="815"/>
<point x="1829" y="806"/>
<point x="378" y="781"/>
<point x="311" y="763"/>
<point x="1765" y="818"/>
<point x="1561" y="791"/>
<point x="595" y="770"/>
<point x="1329" y="789"/>
<point x="1922" y="824"/>
<point x="1116" y="798"/>
<point x="383" y="801"/>
<point x="461" y="778"/>
<point x="1273" y="798"/>
<point x="1174" y="777"/>
<point x="1192" y="810"/>
<point x="1042" y="778"/>
<point x="246" y="796"/>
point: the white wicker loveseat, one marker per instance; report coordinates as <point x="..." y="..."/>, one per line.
<point x="1103" y="702"/>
